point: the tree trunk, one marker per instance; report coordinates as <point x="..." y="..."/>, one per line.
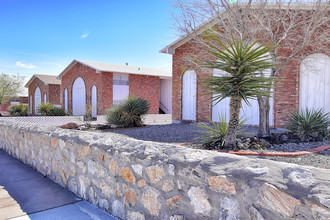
<point x="264" y="108"/>
<point x="234" y="118"/>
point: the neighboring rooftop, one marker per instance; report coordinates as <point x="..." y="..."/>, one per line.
<point x="47" y="79"/>
<point x="115" y="68"/>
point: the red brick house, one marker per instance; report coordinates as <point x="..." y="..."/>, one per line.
<point x="298" y="87"/>
<point x="101" y="85"/>
<point x="43" y="88"/>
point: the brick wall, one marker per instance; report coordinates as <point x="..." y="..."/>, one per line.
<point x="147" y="87"/>
<point x="43" y="89"/>
<point x="140" y="86"/>
<point x="286" y="96"/>
<point x="90" y="78"/>
<point x="54" y="94"/>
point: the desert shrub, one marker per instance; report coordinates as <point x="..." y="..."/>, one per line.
<point x="215" y="132"/>
<point x="309" y="123"/>
<point x="115" y="116"/>
<point x="18" y="110"/>
<point x="45" y="108"/>
<point x="129" y="113"/>
<point x="56" y="111"/>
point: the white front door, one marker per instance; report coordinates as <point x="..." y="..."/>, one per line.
<point x="314" y="89"/>
<point x="247" y="112"/>
<point x="94" y="101"/>
<point x="78" y="97"/>
<point x="37" y="100"/>
<point x="189" y="96"/>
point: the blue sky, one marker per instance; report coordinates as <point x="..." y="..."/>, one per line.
<point x="43" y="37"/>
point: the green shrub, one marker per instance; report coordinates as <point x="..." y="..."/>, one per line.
<point x="129" y="113"/>
<point x="56" y="111"/>
<point x="18" y="110"/>
<point x="115" y="116"/>
<point x="45" y="108"/>
<point x="216" y="132"/>
<point x="309" y="123"/>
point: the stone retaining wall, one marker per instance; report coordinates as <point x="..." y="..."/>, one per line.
<point x="135" y="179"/>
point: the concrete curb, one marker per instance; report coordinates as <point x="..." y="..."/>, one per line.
<point x="274" y="154"/>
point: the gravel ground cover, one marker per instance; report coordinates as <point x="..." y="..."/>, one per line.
<point x="186" y="133"/>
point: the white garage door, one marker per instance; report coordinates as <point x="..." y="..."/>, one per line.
<point x="314" y="90"/>
<point x="94" y="101"/>
<point x="37" y="100"/>
<point x="247" y="112"/>
<point x="78" y="97"/>
<point x="189" y="95"/>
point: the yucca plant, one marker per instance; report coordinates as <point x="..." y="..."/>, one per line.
<point x="309" y="123"/>
<point x="243" y="61"/>
<point x="45" y="108"/>
<point x="115" y="116"/>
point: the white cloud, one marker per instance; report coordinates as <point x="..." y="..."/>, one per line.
<point x="84" y="35"/>
<point x="24" y="65"/>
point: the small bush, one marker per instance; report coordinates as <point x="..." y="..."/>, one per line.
<point x="129" y="113"/>
<point x="56" y="111"/>
<point x="215" y="133"/>
<point x="45" y="108"/>
<point x="18" y="110"/>
<point x="309" y="123"/>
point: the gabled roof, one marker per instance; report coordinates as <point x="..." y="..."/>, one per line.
<point x="47" y="79"/>
<point x="114" y="68"/>
<point x="170" y="49"/>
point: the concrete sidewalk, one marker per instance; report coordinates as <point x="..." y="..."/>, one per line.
<point x="26" y="194"/>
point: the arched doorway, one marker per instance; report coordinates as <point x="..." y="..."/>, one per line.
<point x="314" y="88"/>
<point x="94" y="101"/>
<point x="37" y="100"/>
<point x="78" y="97"/>
<point x="189" y="96"/>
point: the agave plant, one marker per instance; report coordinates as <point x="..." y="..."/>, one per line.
<point x="309" y="123"/>
<point x="216" y="132"/>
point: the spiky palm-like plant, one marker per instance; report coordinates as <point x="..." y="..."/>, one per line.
<point x="243" y="61"/>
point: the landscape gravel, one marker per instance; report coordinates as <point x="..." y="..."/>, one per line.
<point x="187" y="133"/>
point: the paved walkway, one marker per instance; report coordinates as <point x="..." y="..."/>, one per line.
<point x="26" y="194"/>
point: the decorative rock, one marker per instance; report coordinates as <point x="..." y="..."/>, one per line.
<point x="273" y="199"/>
<point x="229" y="209"/>
<point x="167" y="185"/>
<point x="221" y="184"/>
<point x="320" y="213"/>
<point x="118" y="209"/>
<point x="135" y="216"/>
<point x="106" y="190"/>
<point x="113" y="167"/>
<point x="171" y="169"/>
<point x="177" y="217"/>
<point x="84" y="182"/>
<point x="84" y="152"/>
<point x="141" y="183"/>
<point x="104" y="204"/>
<point x="118" y="191"/>
<point x="54" y="142"/>
<point x="70" y="125"/>
<point x="138" y="169"/>
<point x="254" y="214"/>
<point x="199" y="201"/>
<point x="172" y="202"/>
<point x="127" y="174"/>
<point x="257" y="170"/>
<point x="130" y="198"/>
<point x="301" y="177"/>
<point x="72" y="186"/>
<point x="91" y="167"/>
<point x="150" y="202"/>
<point x="100" y="156"/>
<point x="155" y="173"/>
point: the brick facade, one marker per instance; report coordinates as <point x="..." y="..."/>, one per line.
<point x="286" y="94"/>
<point x="139" y="85"/>
<point x="52" y="92"/>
